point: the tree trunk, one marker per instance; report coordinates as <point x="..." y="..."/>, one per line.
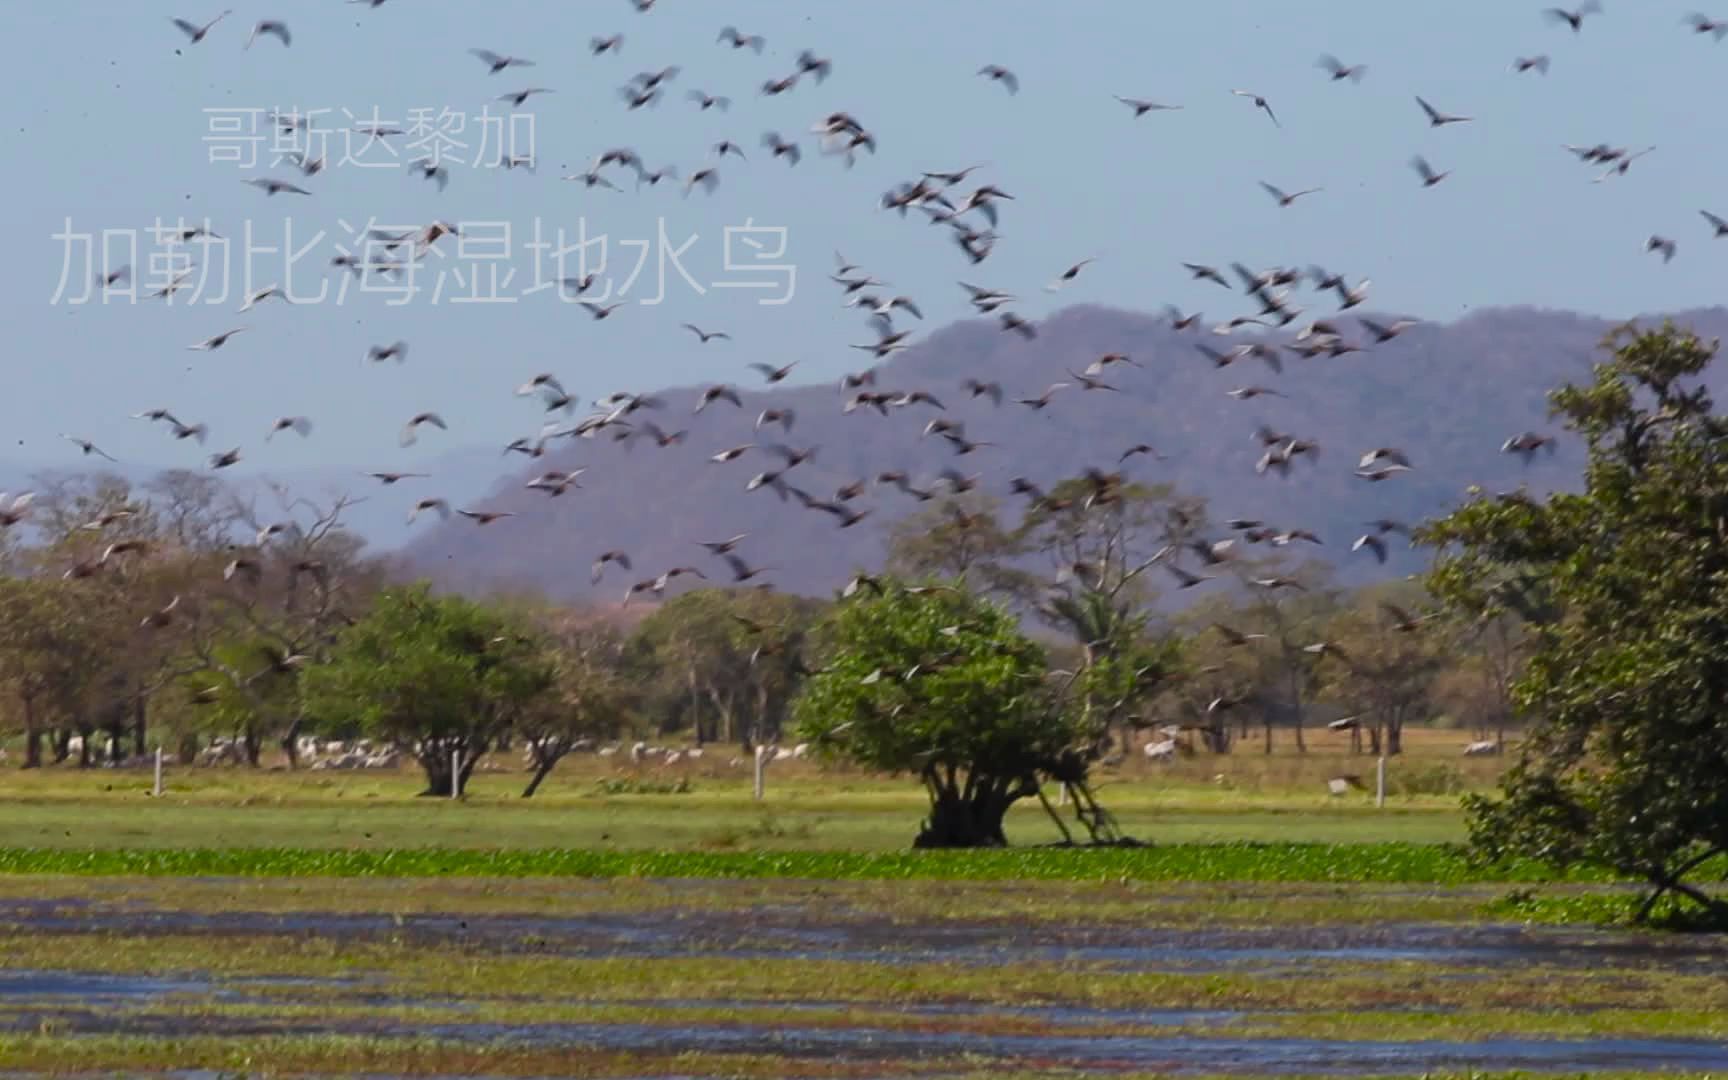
<point x="762" y="711"/>
<point x="967" y="815"/>
<point x="291" y="742"/>
<point x="140" y="724"/>
<point x="543" y="765"/>
<point x="32" y="735"/>
<point x="436" y="763"/>
<point x="253" y="746"/>
<point x="956" y="822"/>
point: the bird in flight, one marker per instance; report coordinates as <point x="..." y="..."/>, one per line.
<point x="1287" y="199"/>
<point x="601" y="311"/>
<point x="1426" y="171"/>
<point x="706" y="335"/>
<point x="272" y="186"/>
<point x="1704" y="24"/>
<point x="411" y="431"/>
<point x="497" y="63"/>
<point x="274" y="27"/>
<point x="1340" y="70"/>
<point x="195" y="32"/>
<point x="998" y="73"/>
<point x="517" y="97"/>
<point x="1259" y="103"/>
<point x="1202" y="272"/>
<point x="1574" y="19"/>
<point x="299" y="425"/>
<point x="87" y="447"/>
<point x="1436" y="118"/>
<point x="214" y="343"/>
<point x="381" y="353"/>
<point x="729" y="35"/>
<point x="1141" y="106"/>
<point x="1067" y="276"/>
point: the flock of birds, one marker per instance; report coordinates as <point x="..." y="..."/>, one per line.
<point x="970" y="211"/>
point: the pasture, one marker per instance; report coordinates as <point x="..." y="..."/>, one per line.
<point x="606" y="803"/>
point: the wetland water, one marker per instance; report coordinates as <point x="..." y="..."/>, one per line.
<point x="1051" y="1028"/>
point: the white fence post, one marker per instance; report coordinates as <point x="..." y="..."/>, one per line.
<point x="762" y="753"/>
<point x="156" y="790"/>
<point x="455" y="773"/>
<point x="1380" y="782"/>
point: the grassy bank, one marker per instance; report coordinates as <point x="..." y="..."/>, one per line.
<point x="708" y="806"/>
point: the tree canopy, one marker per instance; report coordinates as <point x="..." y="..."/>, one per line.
<point x="1626" y="762"/>
<point x="934" y="681"/>
<point x="441" y="675"/>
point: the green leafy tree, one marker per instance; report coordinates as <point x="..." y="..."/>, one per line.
<point x="939" y="683"/>
<point x="1626" y="688"/>
<point x="440" y="677"/>
<point x="51" y="638"/>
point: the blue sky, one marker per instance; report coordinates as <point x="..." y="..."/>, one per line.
<point x="109" y="130"/>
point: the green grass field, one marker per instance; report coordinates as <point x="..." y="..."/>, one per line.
<point x="1245" y="796"/>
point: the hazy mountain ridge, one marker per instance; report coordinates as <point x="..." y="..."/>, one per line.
<point x="1447" y="394"/>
